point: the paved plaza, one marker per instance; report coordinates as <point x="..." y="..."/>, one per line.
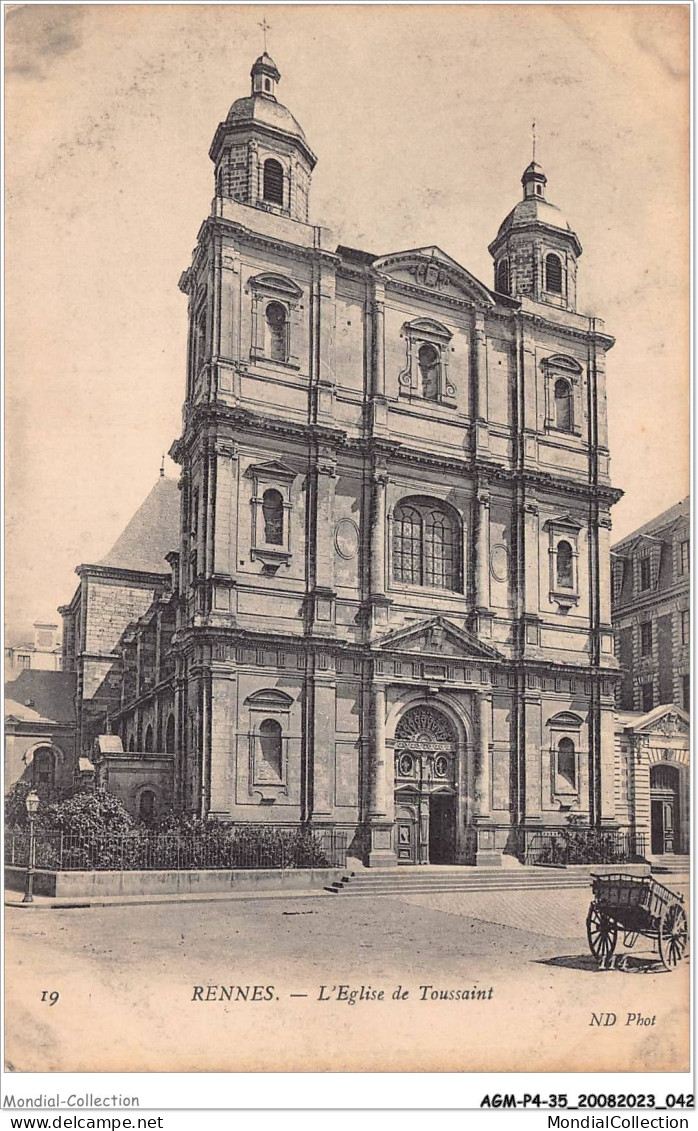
<point x="172" y="987"/>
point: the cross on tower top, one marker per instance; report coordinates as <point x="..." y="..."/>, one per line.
<point x="265" y="28"/>
<point x="533" y="137"/>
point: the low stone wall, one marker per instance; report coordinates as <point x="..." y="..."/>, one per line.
<point x="99" y="884"/>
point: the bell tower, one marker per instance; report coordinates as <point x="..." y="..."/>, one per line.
<point x="260" y="153"/>
<point x="535" y="251"/>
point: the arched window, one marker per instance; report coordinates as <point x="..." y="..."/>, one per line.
<point x="553" y="274"/>
<point x="503" y="285"/>
<point x="567" y="762"/>
<point x="131" y="744"/>
<point x="148" y="745"/>
<point x="425" y="545"/>
<point x="563" y="572"/>
<point x="438" y="550"/>
<point x="273" y="181"/>
<point x="270" y="742"/>
<point x="430" y="370"/>
<point x="277" y="331"/>
<point x="146" y="806"/>
<point x="170" y="735"/>
<point x="563" y="405"/>
<point x="273" y="514"/>
<point x="43" y="771"/>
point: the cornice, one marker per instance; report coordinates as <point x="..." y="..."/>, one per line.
<point x="118" y="573"/>
<point x="220" y="225"/>
<point x="579" y="334"/>
<point x="241" y="127"/>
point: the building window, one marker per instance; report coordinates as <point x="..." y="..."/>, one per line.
<point x="273" y="515"/>
<point x="685" y="626"/>
<point x="553" y="274"/>
<point x="567" y="762"/>
<point x="565" y="575"/>
<point x="503" y="284"/>
<point x="685" y="557"/>
<point x="146" y="806"/>
<point x="43" y="767"/>
<point x="276" y="331"/>
<point x="425" y="546"/>
<point x="148" y="744"/>
<point x="563" y="405"/>
<point x="645" y="573"/>
<point x="131" y="744"/>
<point x="273" y="182"/>
<point x="647" y="696"/>
<point x="430" y="371"/>
<point x="200" y="343"/>
<point x="24" y="662"/>
<point x="427" y="347"/>
<point x="646" y="638"/>
<point x="170" y="735"/>
<point x="275" y="318"/>
<point x="686" y="691"/>
<point x="270" y="743"/>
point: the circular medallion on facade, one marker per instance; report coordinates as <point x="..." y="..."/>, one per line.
<point x="405" y="765"/>
<point x="441" y="766"/>
<point x="499" y="562"/>
<point x="346" y="538"/>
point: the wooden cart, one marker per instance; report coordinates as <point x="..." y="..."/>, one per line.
<point x="636" y="905"/>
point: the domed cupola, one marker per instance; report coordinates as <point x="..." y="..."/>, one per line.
<point x="260" y="153"/>
<point x="536" y="251"/>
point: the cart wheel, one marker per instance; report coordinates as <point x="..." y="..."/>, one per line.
<point x="602" y="933"/>
<point x="673" y="935"/>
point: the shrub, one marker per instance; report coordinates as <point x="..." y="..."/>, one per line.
<point x="16" y="805"/>
<point x="87" y="813"/>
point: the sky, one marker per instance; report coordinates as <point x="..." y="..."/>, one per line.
<point x="420" y="116"/>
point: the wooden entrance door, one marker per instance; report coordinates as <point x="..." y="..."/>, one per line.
<point x="442" y="828"/>
<point x="406" y="839"/>
<point x="664" y="808"/>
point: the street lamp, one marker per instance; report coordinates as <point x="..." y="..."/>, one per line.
<point x="32" y="804"/>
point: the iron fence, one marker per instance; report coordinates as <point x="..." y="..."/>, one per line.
<point x="240" y="846"/>
<point x="564" y="846"/>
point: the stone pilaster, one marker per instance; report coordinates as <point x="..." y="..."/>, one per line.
<point x="479" y="369"/>
<point x="487" y="855"/>
<point x="380" y="786"/>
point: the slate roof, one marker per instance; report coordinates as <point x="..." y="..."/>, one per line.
<point x="41" y="695"/>
<point x="152" y="533"/>
<point x="661" y="522"/>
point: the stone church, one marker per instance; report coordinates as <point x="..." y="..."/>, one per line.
<point x="390" y="606"/>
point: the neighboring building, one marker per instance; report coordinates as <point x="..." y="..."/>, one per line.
<point x="651" y="611"/>
<point x="110" y="597"/>
<point x="392" y="597"/>
<point x="44" y="653"/>
<point x="40" y="731"/>
<point x="653" y="778"/>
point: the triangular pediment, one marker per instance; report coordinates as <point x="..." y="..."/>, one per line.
<point x="437" y="636"/>
<point x="434" y="270"/>
<point x="563" y="521"/>
<point x="272" y="469"/>
<point x="667" y="720"/>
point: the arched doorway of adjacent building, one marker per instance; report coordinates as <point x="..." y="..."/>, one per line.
<point x="426" y="766"/>
<point x="665" y="813"/>
<point x="43" y="771"/>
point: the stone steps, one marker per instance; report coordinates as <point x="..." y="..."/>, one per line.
<point x="662" y="865"/>
<point x="463" y="880"/>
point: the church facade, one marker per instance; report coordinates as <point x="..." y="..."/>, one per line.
<point x="392" y="587"/>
